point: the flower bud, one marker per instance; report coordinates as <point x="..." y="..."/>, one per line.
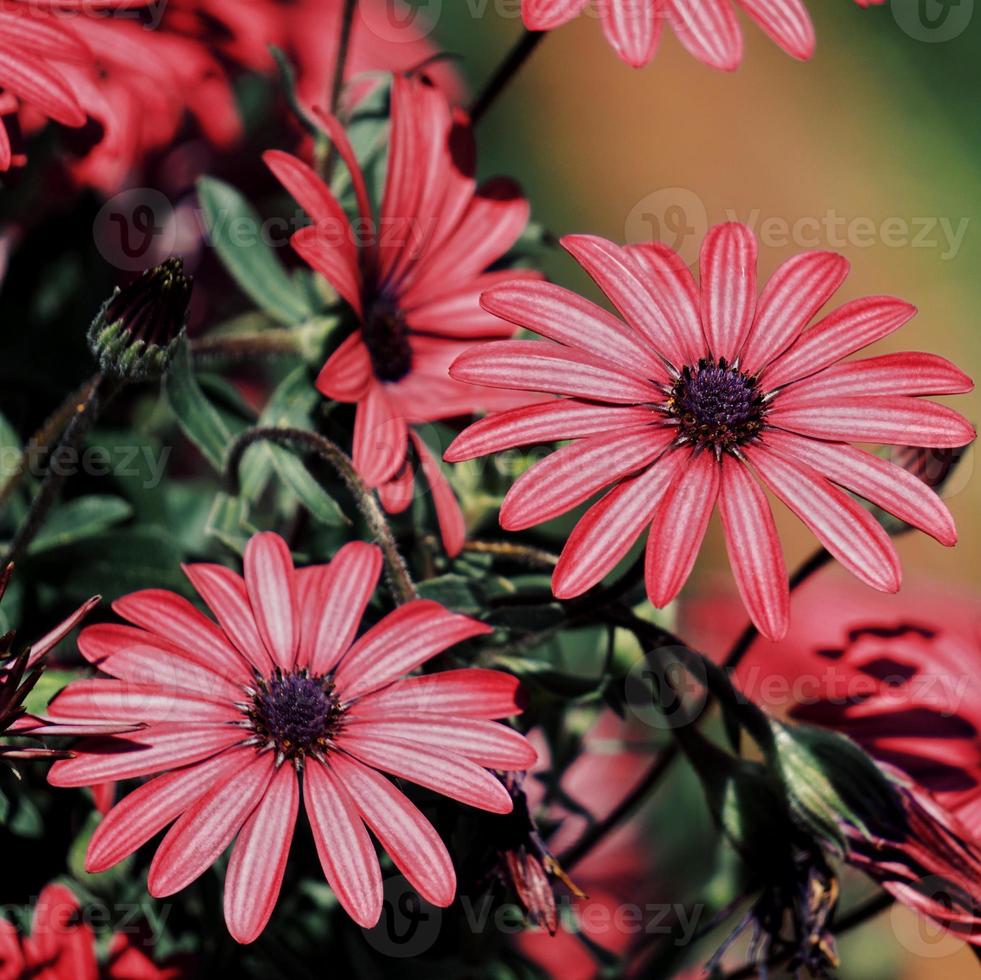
<point x="134" y="334"/>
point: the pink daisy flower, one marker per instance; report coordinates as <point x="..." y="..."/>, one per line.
<point x="704" y="396"/>
<point x="413" y="280"/>
<point x="709" y="29"/>
<point x="280" y="699"/>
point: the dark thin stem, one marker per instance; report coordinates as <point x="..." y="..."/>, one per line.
<point x="664" y="761"/>
<point x="337" y="82"/>
<point x="60" y="466"/>
<point x="334" y="456"/>
<point x="508" y="68"/>
<point x="246" y="346"/>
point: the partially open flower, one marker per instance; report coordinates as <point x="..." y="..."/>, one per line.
<point x="135" y="333"/>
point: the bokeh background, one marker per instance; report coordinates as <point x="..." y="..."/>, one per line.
<point x="876" y="141"/>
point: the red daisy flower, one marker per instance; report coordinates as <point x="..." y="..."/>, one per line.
<point x="61" y="946"/>
<point x="280" y="688"/>
<point x="701" y="396"/>
<point x="709" y="29"/>
<point x="413" y="280"/>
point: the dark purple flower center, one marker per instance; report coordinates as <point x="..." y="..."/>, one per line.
<point x="386" y="335"/>
<point x="295" y="713"/>
<point x="716" y="406"/>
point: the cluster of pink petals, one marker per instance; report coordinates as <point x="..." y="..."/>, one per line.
<point x="709" y="29"/>
<point x="62" y="946"/>
<point x="616" y="378"/>
<point x="415" y="282"/>
<point x="192" y="680"/>
<point x="70" y="61"/>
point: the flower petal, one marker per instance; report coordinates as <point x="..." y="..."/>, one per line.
<point x="791" y="298"/>
<point x="380" y="437"/>
<point x="346" y="852"/>
<point x="679" y="526"/>
<point x="841" y="524"/>
<point x="258" y="859"/>
<point x="410" y="840"/>
<point x="728" y="297"/>
<point x="787" y="22"/>
<point x="207" y="827"/>
<point x="632" y="30"/>
<point x="574" y="473"/>
<point x="608" y="530"/>
<point x="754" y="549"/>
<point x="271" y="584"/>
<point x="709" y="30"/>
<point x="347" y="374"/>
<point x="543" y="15"/>
<point x="449" y="516"/>
<point x="405" y="638"/>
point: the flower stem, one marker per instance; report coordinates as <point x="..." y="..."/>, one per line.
<point x="84" y="413"/>
<point x="398" y="573"/>
<point x="337" y="81"/>
<point x="524" y="554"/>
<point x="509" y="67"/>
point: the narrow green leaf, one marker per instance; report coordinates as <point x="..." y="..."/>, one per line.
<point x="236" y="233"/>
<point x="80" y="518"/>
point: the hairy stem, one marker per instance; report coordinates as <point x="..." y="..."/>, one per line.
<point x="398" y="573"/>
<point x="509" y="67"/>
<point x="337" y="82"/>
<point x="523" y="554"/>
<point x="84" y="413"/>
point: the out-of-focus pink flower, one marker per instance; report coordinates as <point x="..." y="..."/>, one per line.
<point x="902" y="678"/>
<point x="61" y="946"/>
<point x="413" y="281"/>
<point x="277" y="695"/>
<point x="709" y="29"/>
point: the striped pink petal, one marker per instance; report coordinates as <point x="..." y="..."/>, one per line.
<point x="543" y="15"/>
<point x="404" y="639"/>
<point x="632" y="29"/>
<point x="435" y="768"/>
<point x="754" y="549"/>
<point x="124" y="701"/>
<point x="172" y="616"/>
<point x="347" y="374"/>
<point x="620" y="277"/>
<point x="323" y="249"/>
<point x="842" y="332"/>
<point x="145" y="658"/>
<point x="791" y="298"/>
<point x="31" y="79"/>
<point x="529" y="365"/>
<point x="841" y="524"/>
<point x="346" y="852"/>
<point x="728" y="296"/>
<point x="154" y="749"/>
<point x="410" y="840"/>
<point x="882" y="483"/>
<point x="51" y="639"/>
<point x="485" y="742"/>
<point x="551" y="421"/>
<point x="899" y="420"/>
<point x="708" y="29"/>
<point x="888" y="374"/>
<point x="574" y="473"/>
<point x="563" y="316"/>
<point x="227" y="597"/>
<point x="787" y="22"/>
<point x="449" y="516"/>
<point x="608" y="530"/>
<point x="381" y="437"/>
<point x="258" y="859"/>
<point x="679" y="526"/>
<point x="472" y="692"/>
<point x="271" y="585"/>
<point x="142" y="814"/>
<point x="333" y="608"/>
<point x="207" y="827"/>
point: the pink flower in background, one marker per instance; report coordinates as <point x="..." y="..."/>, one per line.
<point x="703" y="397"/>
<point x="901" y="678"/>
<point x="61" y="946"/>
<point x="413" y="286"/>
<point x="709" y="29"/>
<point x="277" y="695"/>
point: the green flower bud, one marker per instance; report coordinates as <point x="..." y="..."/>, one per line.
<point x="135" y="333"/>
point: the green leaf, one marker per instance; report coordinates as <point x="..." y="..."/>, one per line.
<point x="297" y="477"/>
<point x="235" y="230"/>
<point x="10" y="450"/>
<point x="228" y="522"/>
<point x="197" y="417"/>
<point x="79" y="519"/>
<point x="456" y="592"/>
<point x="50" y="683"/>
